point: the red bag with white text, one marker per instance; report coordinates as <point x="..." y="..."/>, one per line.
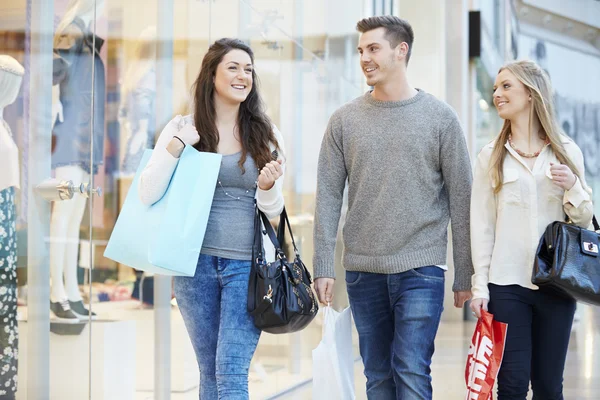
<point x="485" y="356"/>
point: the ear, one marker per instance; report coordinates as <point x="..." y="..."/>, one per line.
<point x="528" y="90"/>
<point x="402" y="49"/>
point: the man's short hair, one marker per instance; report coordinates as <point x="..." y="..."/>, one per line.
<point x="397" y="30"/>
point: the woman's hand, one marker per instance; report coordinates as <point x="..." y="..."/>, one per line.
<point x="562" y="176"/>
<point x="188" y="134"/>
<point x="477" y="305"/>
<point x="269" y="174"/>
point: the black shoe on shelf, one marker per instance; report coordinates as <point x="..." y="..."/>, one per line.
<point x="62" y="312"/>
<point x="79" y="309"/>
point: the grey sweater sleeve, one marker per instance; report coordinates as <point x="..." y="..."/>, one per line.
<point x="456" y="170"/>
<point x="331" y="179"/>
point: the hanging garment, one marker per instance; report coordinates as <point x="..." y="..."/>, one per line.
<point x="9" y="336"/>
<point x="74" y="57"/>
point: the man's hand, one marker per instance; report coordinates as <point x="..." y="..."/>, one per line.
<point x="324" y="289"/>
<point x="461" y="297"/>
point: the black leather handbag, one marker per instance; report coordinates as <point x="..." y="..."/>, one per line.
<point x="280" y="298"/>
<point x="567" y="262"/>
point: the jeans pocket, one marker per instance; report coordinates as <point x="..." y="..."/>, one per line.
<point x="429" y="272"/>
<point x="352" y="277"/>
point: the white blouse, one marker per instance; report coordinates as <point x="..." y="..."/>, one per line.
<point x="506" y="227"/>
<point x="9" y="158"/>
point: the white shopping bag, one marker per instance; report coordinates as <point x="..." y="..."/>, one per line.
<point x="333" y="362"/>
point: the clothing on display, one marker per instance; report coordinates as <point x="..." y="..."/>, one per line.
<point x="9" y="335"/>
<point x="72" y="69"/>
<point x="78" y="74"/>
<point x="9" y="154"/>
<point x="138" y="106"/>
<point x="11" y="76"/>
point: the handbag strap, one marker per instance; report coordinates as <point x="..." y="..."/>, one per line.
<point x="278" y="239"/>
<point x="283" y="223"/>
<point x="271" y="233"/>
<point x="258" y="250"/>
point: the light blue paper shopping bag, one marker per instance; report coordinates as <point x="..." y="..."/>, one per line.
<point x="166" y="237"/>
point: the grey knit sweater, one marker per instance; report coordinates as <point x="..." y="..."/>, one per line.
<point x="408" y="174"/>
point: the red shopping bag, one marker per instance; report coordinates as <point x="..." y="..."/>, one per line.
<point x="485" y="357"/>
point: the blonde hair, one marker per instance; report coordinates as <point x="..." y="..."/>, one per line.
<point x="537" y="81"/>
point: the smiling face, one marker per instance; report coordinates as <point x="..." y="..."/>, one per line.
<point x="379" y="61"/>
<point x="511" y="97"/>
<point x="233" y="77"/>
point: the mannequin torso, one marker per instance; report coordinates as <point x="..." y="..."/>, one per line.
<point x="11" y="76"/>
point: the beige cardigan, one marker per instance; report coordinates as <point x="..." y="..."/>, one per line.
<point x="506" y="227"/>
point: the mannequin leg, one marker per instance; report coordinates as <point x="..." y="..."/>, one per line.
<point x="64" y="234"/>
<point x="72" y="247"/>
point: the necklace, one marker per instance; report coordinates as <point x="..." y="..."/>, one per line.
<point x="237" y="197"/>
<point x="274" y="155"/>
<point x="524" y="154"/>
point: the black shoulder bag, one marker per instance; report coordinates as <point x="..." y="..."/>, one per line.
<point x="567" y="262"/>
<point x="280" y="298"/>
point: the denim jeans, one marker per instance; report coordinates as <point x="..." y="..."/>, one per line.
<point x="213" y="306"/>
<point x="397" y="317"/>
<point x="537" y="339"/>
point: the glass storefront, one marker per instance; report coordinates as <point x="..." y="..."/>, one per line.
<point x="94" y="82"/>
<point x="487" y="122"/>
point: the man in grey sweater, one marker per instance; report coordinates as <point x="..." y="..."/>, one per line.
<point x="404" y="155"/>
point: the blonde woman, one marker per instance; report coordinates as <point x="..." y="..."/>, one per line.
<point x="528" y="177"/>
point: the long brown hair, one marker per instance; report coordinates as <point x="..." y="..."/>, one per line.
<point x="542" y="107"/>
<point x="256" y="132"/>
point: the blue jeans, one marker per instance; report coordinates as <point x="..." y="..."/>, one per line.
<point x="213" y="306"/>
<point x="397" y="317"/>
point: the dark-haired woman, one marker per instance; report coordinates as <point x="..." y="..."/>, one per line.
<point x="228" y="119"/>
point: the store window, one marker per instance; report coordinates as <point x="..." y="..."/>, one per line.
<point x="89" y="98"/>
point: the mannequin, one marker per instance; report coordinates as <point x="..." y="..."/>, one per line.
<point x="136" y="111"/>
<point x="11" y="76"/>
<point x="74" y="56"/>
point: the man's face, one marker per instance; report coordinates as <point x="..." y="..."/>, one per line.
<point x="379" y="62"/>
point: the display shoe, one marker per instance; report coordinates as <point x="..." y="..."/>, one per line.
<point x="62" y="312"/>
<point x="79" y="309"/>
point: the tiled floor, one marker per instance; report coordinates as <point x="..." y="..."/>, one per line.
<point x="582" y="371"/>
<point x="581" y="375"/>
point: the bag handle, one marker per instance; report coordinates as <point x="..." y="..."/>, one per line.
<point x="277" y="239"/>
<point x="271" y="233"/>
<point x="283" y="222"/>
<point x="258" y="249"/>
